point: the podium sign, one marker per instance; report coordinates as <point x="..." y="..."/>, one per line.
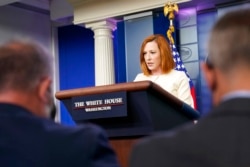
<point x="106" y="105"/>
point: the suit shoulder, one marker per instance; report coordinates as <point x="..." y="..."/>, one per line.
<point x="64" y="130"/>
<point x="167" y="139"/>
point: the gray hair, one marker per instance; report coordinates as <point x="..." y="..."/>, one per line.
<point x="23" y="64"/>
<point x="229" y="44"/>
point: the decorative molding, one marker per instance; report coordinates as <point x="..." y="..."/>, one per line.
<point x="94" y="10"/>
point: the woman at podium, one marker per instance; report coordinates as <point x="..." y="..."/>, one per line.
<point x="157" y="65"/>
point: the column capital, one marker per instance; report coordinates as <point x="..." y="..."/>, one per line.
<point x="103" y="24"/>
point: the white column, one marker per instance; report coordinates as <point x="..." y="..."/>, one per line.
<point x="104" y="53"/>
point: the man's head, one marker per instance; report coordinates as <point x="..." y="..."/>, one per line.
<point x="228" y="64"/>
<point x="25" y="76"/>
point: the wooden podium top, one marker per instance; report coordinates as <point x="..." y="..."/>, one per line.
<point x="128" y="86"/>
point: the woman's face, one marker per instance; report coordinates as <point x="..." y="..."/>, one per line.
<point x="152" y="57"/>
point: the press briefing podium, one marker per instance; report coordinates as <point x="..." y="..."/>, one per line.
<point x="127" y="111"/>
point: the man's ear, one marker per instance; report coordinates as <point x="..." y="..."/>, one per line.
<point x="209" y="75"/>
<point x="44" y="88"/>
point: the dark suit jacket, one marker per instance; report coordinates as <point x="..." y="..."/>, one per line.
<point x="220" y="139"/>
<point x="30" y="141"/>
